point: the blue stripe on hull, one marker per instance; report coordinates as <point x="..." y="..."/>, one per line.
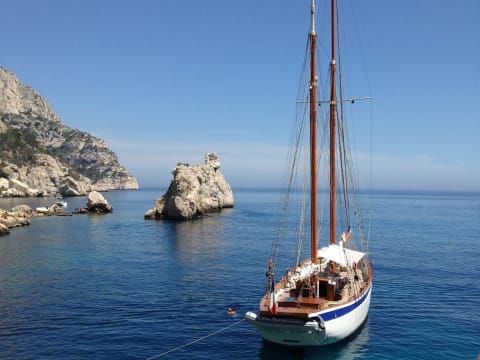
<point x="340" y="312"/>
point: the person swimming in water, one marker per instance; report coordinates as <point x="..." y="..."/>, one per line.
<point x="231" y="310"/>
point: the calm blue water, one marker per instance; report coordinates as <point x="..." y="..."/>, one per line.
<point x="119" y="287"/>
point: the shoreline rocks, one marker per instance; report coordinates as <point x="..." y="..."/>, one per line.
<point x="194" y="191"/>
<point x="4" y="229"/>
<point x="17" y="217"/>
<point x="20" y="215"/>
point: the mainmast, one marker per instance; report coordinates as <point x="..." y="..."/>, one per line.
<point x="313" y="138"/>
<point x="333" y="126"/>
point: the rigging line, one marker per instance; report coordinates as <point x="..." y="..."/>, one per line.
<point x="365" y="239"/>
<point x="290" y="179"/>
<point x="355" y="184"/>
<point x="301" y="225"/>
<point x="197" y="340"/>
<point x="351" y="179"/>
<point x="291" y="164"/>
<point x="362" y="52"/>
<point x="354" y="181"/>
<point x="321" y="23"/>
<point x="341" y="127"/>
<point x="371" y="176"/>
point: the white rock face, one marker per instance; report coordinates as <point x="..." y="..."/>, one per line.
<point x="58" y="158"/>
<point x="22" y="188"/>
<point x="45" y="177"/>
<point x="4" y="184"/>
<point x="194" y="191"/>
<point x="71" y="187"/>
<point x="17" y="98"/>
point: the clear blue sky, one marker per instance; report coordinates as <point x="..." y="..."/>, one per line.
<point x="167" y="81"/>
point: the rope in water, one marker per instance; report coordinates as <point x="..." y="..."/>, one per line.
<point x="197" y="340"/>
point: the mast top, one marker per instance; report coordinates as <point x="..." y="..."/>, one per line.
<point x="312" y="18"/>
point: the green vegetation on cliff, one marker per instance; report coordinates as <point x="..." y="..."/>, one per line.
<point x="19" y="146"/>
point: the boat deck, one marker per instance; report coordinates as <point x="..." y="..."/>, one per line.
<point x="304" y="298"/>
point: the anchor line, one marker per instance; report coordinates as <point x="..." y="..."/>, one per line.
<point x="196" y="340"/>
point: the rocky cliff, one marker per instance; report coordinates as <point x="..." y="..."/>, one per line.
<point x="40" y="156"/>
<point x="195" y="191"/>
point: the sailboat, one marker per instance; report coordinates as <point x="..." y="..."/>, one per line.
<point x="325" y="298"/>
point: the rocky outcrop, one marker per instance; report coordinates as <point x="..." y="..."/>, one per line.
<point x="96" y="203"/>
<point x="72" y="187"/>
<point x="22" y="210"/>
<point x="39" y="156"/>
<point x="44" y="176"/>
<point x="20" y="215"/>
<point x="54" y="209"/>
<point x="195" y="191"/>
<point x="16" y="188"/>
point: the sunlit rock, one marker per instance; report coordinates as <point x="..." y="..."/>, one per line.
<point x="195" y="191"/>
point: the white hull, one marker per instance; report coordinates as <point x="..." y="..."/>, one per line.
<point x="323" y="328"/>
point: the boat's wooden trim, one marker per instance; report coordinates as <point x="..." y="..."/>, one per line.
<point x="303" y="306"/>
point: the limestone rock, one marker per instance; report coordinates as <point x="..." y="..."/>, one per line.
<point x="54" y="209"/>
<point x="97" y="203"/>
<point x="71" y="187"/>
<point x="22" y="210"/>
<point x="43" y="154"/>
<point x="3" y="229"/>
<point x="150" y="214"/>
<point x="19" y="216"/>
<point x="44" y="177"/>
<point x="195" y="191"/>
<point x="17" y="98"/>
<point x="23" y="189"/>
<point x="4" y="184"/>
<point x="42" y="210"/>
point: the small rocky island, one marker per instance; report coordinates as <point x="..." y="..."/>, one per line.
<point x="96" y="203"/>
<point x="195" y="191"/>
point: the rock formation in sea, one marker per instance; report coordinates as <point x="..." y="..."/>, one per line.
<point x="96" y="203"/>
<point x="40" y="156"/>
<point x="195" y="191"/>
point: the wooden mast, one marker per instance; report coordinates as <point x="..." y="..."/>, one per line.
<point x="313" y="138"/>
<point x="333" y="127"/>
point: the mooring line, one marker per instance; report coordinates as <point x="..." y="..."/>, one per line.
<point x="197" y="340"/>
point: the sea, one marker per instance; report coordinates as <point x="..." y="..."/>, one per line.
<point x="117" y="286"/>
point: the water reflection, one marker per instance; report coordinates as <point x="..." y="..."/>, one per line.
<point x="201" y="239"/>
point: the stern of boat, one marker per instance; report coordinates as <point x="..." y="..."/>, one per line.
<point x="291" y="332"/>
